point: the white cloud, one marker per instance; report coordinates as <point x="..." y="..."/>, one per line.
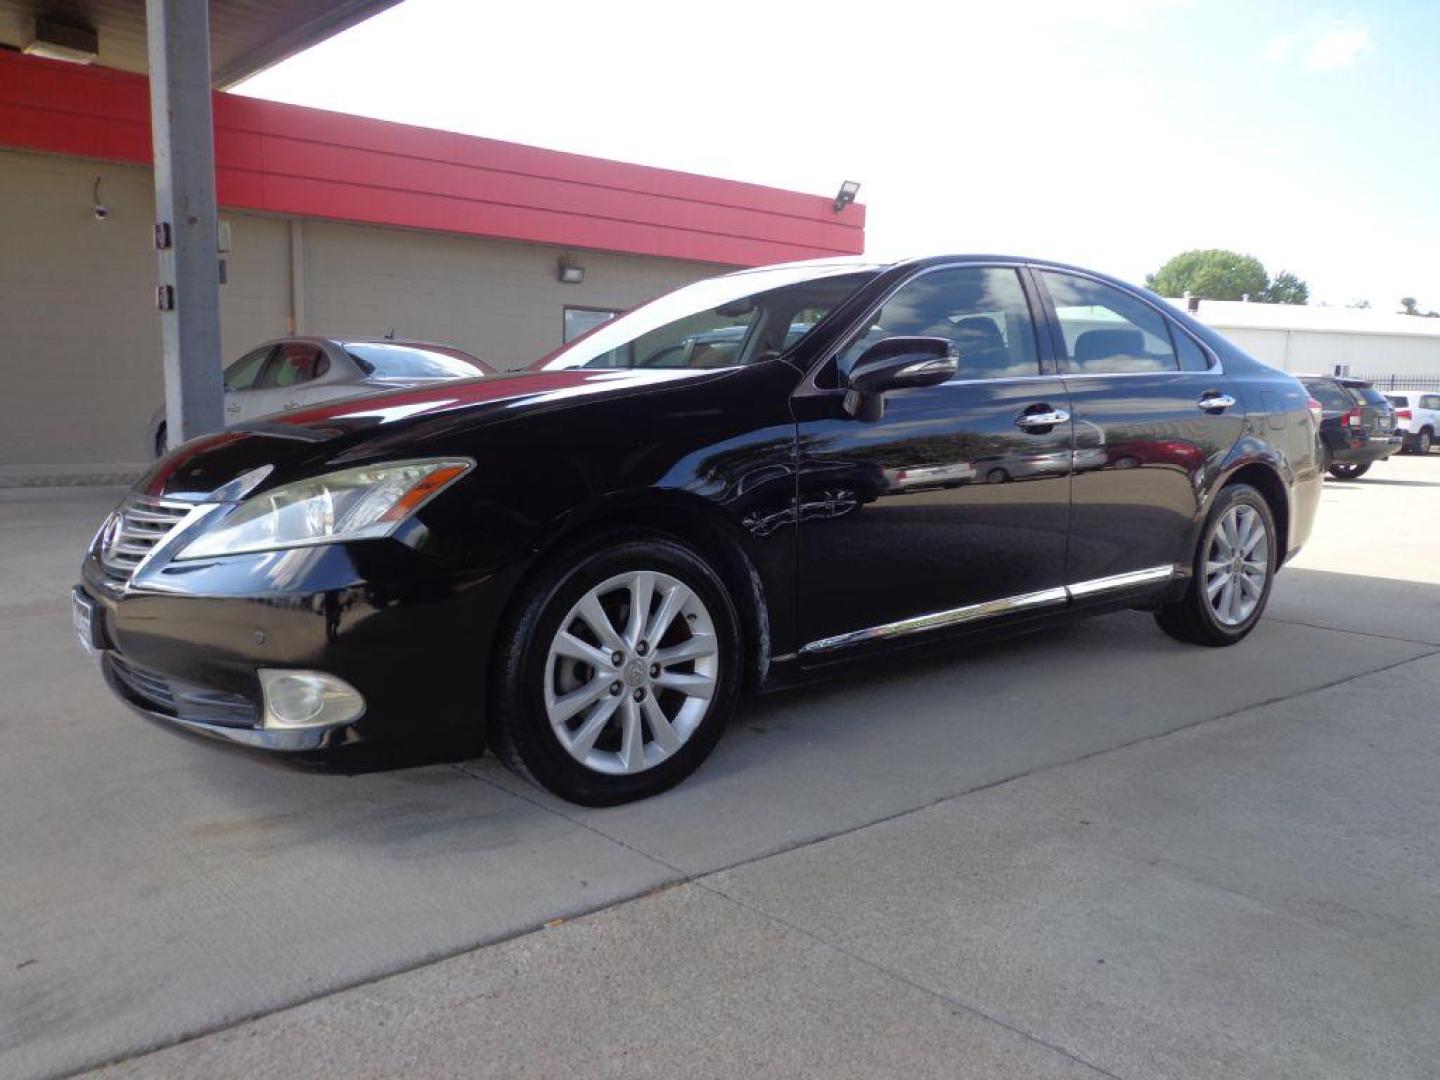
<point x="1337" y="48"/>
<point x="1323" y="47"/>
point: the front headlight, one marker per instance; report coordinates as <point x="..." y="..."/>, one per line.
<point x="352" y="504"/>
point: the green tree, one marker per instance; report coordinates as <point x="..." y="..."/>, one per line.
<point x="1285" y="288"/>
<point x="1211" y="274"/>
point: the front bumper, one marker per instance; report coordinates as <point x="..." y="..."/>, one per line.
<point x="182" y="643"/>
<point x="140" y="690"/>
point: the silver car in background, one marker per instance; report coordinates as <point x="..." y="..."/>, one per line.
<point x="294" y="372"/>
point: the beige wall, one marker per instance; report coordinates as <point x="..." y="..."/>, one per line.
<point x="80" y="338"/>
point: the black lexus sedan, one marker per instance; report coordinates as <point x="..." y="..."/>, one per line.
<point x="744" y="483"/>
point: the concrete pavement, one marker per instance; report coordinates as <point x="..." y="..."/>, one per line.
<point x="903" y="881"/>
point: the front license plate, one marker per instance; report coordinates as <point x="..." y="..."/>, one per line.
<point x="82" y="610"/>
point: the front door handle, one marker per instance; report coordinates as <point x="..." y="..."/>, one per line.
<point x="1042" y="419"/>
<point x="1215" y="402"/>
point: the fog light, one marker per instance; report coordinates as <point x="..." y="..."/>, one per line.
<point x="308" y="699"/>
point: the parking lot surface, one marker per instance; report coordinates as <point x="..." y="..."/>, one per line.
<point x="1093" y="853"/>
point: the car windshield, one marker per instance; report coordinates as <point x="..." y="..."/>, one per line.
<point x="720" y="322"/>
<point x="410" y="362"/>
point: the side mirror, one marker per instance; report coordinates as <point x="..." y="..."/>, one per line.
<point x="897" y="363"/>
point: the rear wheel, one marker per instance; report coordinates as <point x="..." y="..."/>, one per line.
<point x="1422" y="444"/>
<point x="1234" y="566"/>
<point x="1342" y="470"/>
<point x="619" y="672"/>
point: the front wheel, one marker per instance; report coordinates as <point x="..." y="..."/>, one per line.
<point x="1235" y="564"/>
<point x="1346" y="471"/>
<point x="618" y="673"/>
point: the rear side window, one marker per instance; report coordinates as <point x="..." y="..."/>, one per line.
<point x="1430" y="401"/>
<point x="294" y="363"/>
<point x="1331" y="395"/>
<point x="1192" y="357"/>
<point x="1107" y="331"/>
<point x="1369" y="395"/>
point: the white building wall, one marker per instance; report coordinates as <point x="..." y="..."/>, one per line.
<point x="1318" y="352"/>
<point x="80" y="336"/>
<point x="1305" y="338"/>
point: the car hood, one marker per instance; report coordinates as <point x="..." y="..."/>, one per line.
<point x="370" y="427"/>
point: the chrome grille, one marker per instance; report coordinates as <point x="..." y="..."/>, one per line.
<point x="135" y="529"/>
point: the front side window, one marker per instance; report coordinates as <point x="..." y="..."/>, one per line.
<point x="722" y="322"/>
<point x="1108" y="331"/>
<point x="242" y="374"/>
<point x="982" y="309"/>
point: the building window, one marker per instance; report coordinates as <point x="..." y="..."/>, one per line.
<point x="579" y="320"/>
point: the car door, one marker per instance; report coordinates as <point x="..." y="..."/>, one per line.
<point x="950" y="504"/>
<point x="1430" y="412"/>
<point x="1153" y="414"/>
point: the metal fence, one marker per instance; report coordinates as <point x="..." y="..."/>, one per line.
<point x="1402" y="382"/>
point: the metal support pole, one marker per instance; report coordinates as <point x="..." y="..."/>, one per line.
<point x="184" y="152"/>
<point x="297" y="277"/>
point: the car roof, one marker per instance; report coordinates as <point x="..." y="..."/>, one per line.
<point x="403" y="342"/>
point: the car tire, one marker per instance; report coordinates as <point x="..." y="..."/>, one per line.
<point x="1343" y="470"/>
<point x="557" y="716"/>
<point x="1423" y="443"/>
<point x="1216" y="608"/>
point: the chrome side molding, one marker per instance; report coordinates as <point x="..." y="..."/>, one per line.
<point x="1124" y="581"/>
<point x="991" y="608"/>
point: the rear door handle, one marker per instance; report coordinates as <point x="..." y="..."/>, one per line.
<point x="1042" y="419"/>
<point x="1215" y="402"/>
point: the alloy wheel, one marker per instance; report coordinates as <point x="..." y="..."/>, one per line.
<point x="1237" y="564"/>
<point x="631" y="672"/>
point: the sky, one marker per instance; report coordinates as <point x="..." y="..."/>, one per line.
<point x="1108" y="133"/>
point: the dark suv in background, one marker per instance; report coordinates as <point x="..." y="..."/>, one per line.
<point x="1357" y="426"/>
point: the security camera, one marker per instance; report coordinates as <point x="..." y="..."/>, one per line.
<point x="101" y="212"/>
